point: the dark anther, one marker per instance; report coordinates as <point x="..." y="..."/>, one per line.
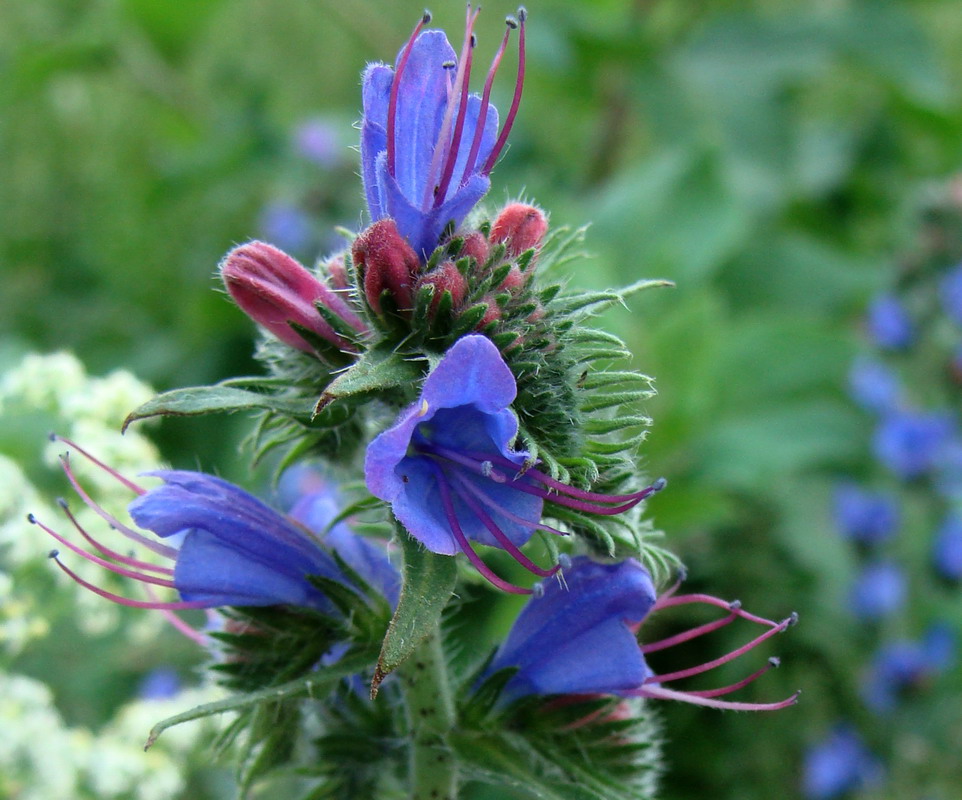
<point x="774" y="661"/>
<point x="53" y="554"/>
<point x="522" y="13"/>
<point x="793" y="618"/>
<point x="734" y="605"/>
<point x="511" y="22"/>
<point x="62" y="502"/>
<point x="426" y="17"/>
<point x="31" y="518"/>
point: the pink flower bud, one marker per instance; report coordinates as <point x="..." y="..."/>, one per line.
<point x="385" y="261"/>
<point x="520" y="227"/>
<point x="476" y="247"/>
<point x="493" y="314"/>
<point x="274" y="290"/>
<point x="513" y="281"/>
<point x="446" y="278"/>
<point x="337" y="273"/>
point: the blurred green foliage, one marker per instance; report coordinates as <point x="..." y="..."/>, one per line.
<point x="770" y="157"/>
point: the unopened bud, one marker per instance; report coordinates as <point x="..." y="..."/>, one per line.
<point x="520" y="227"/>
<point x="336" y="273"/>
<point x="385" y="262"/>
<point x="513" y="281"/>
<point x="493" y="314"/>
<point x="274" y="290"/>
<point x="475" y="246"/>
<point x="446" y="278"/>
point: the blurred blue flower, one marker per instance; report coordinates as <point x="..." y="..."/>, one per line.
<point x="863" y="516"/>
<point x="578" y="636"/>
<point x="874" y="386"/>
<point x="317" y="140"/>
<point x="905" y="665"/>
<point x="287" y="226"/>
<point x="839" y="764"/>
<point x="161" y="683"/>
<point x="448" y="468"/>
<point x="878" y="591"/>
<point x="947" y="548"/>
<point x="889" y="324"/>
<point x="911" y="443"/>
<point x="427" y="145"/>
<point x="950" y="293"/>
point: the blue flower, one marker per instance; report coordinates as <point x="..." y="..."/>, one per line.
<point x="577" y="636"/>
<point x="874" y="386"/>
<point x="889" y="324"/>
<point x="286" y="225"/>
<point x="451" y="474"/>
<point x="950" y="293"/>
<point x="867" y="517"/>
<point x="947" y="549"/>
<point x="161" y="683"/>
<point x="906" y="665"/>
<point x="427" y="145"/>
<point x="838" y="764"/>
<point x="879" y="590"/>
<point x="227" y="547"/>
<point x="911" y="443"/>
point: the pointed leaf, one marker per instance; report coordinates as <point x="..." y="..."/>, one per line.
<point x="378" y="369"/>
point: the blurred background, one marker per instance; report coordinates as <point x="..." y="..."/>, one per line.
<point x="792" y="166"/>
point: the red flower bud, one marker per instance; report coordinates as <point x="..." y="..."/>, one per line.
<point x="337" y="273"/>
<point x="475" y="246"/>
<point x="446" y="278"/>
<point x="520" y="227"/>
<point x="513" y="281"/>
<point x="274" y="290"/>
<point x="385" y="261"/>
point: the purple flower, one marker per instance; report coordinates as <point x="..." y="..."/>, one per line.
<point x="287" y="225"/>
<point x="161" y="683"/>
<point x="911" y="443"/>
<point x="947" y="549"/>
<point x="578" y="636"/>
<point x="838" y="764"/>
<point x="227" y="547"/>
<point x="451" y="474"/>
<point x="427" y="145"/>
<point x="889" y="324"/>
<point x="950" y="293"/>
<point x="879" y="590"/>
<point x="867" y="517"/>
<point x="317" y="141"/>
<point x="905" y="665"/>
<point x="874" y="386"/>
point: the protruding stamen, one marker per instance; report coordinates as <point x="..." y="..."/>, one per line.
<point x="55" y="437"/>
<point x="688" y="635"/>
<point x="459" y="92"/>
<point x="485" y="97"/>
<point x="731" y="656"/>
<point x="127" y="573"/>
<point x="662" y="693"/>
<point x="395" y="88"/>
<point x="515" y="102"/>
<point x="124" y="601"/>
<point x="155" y="547"/>
<point x="773" y="663"/>
<point x="666" y="601"/>
<point x="463" y="543"/>
<point x="176" y="622"/>
<point x="129" y="561"/>
<point x="501" y="536"/>
<point x="507" y="513"/>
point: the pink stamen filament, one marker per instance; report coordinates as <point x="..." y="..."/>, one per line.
<point x="731" y="656"/>
<point x="126" y="601"/>
<point x="507" y="513"/>
<point x="667" y="601"/>
<point x="483" y="114"/>
<point x="449" y="163"/>
<point x="460" y="90"/>
<point x="662" y="693"/>
<point x="128" y="573"/>
<point x="395" y="86"/>
<point x="155" y="547"/>
<point x="519" y="83"/>
<point x="463" y="543"/>
<point x="734" y="687"/>
<point x="109" y="470"/>
<point x="500" y="535"/>
<point x="694" y="633"/>
<point x="177" y="623"/>
<point x="126" y="560"/>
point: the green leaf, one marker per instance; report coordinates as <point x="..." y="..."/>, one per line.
<point x="378" y="369"/>
<point x="429" y="581"/>
<point x="316" y="683"/>
<point x="197" y="400"/>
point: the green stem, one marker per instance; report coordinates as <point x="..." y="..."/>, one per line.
<point x="430" y="713"/>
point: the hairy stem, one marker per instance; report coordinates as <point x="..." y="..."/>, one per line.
<point x="430" y="713"/>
